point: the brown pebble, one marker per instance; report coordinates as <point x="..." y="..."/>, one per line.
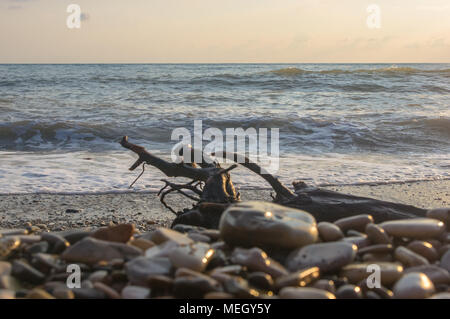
<point x="305" y="293"/>
<point x="299" y="278"/>
<point x="417" y="228"/>
<point x="414" y="285"/>
<point x="325" y="284"/>
<point x="358" y="222"/>
<point x="108" y="291"/>
<point x="349" y="292"/>
<point x="376" y="249"/>
<point x="377" y="235"/>
<point x="445" y="261"/>
<point x="38" y="293"/>
<point x="409" y="258"/>
<point x="424" y="249"/>
<point x="118" y="233"/>
<point x="142" y="243"/>
<point x="329" y="231"/>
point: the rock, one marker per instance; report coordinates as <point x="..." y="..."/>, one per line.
<point x="238" y="287"/>
<point x="376" y="249"/>
<point x="5" y="268"/>
<point x="135" y="292"/>
<point x="194" y="286"/>
<point x="305" y="293"/>
<point x="57" y="243"/>
<point x="108" y="291"/>
<point x="408" y="257"/>
<point x="213" y="234"/>
<point x="356" y="272"/>
<point x="377" y="235"/>
<point x="260" y="280"/>
<point x="414" y="285"/>
<point x="417" y="228"/>
<point x="442" y="214"/>
<point x="160" y="282"/>
<point x="37" y="293"/>
<point x="63" y="293"/>
<point x="218" y="295"/>
<point x="262" y="224"/>
<point x="162" y="250"/>
<point x="73" y="211"/>
<point x="377" y="257"/>
<point x="41" y="247"/>
<point x="325" y="284"/>
<point x="358" y="222"/>
<point x="8" y="245"/>
<point x="445" y="261"/>
<point x="162" y="235"/>
<point x="329" y="257"/>
<point x="442" y="295"/>
<point x="199" y="237"/>
<point x="257" y="260"/>
<point x="349" y="292"/>
<point x="425" y="249"/>
<point x="91" y="251"/>
<point x="13" y="232"/>
<point x="98" y="275"/>
<point x="140" y="268"/>
<point x="88" y="293"/>
<point x="232" y="270"/>
<point x="299" y="278"/>
<point x="27" y="273"/>
<point x="358" y="241"/>
<point x="142" y="243"/>
<point x="329" y="231"/>
<point x="118" y="233"/>
<point x="9" y="282"/>
<point x="437" y="275"/>
<point x="196" y="256"/>
<point x="75" y="235"/>
<point x="7" y="294"/>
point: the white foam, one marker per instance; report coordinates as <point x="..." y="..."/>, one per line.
<point x="85" y="172"/>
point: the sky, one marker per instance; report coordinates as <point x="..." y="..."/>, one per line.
<point x="225" y="31"/>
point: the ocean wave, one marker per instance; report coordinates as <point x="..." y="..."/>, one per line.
<point x="295" y="132"/>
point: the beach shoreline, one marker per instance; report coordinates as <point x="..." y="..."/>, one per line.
<point x="60" y="212"/>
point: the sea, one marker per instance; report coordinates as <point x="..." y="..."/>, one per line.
<point x="339" y="124"/>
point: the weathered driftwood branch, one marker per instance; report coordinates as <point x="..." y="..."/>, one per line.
<point x="218" y="192"/>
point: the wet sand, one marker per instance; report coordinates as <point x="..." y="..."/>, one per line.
<point x="60" y="212"/>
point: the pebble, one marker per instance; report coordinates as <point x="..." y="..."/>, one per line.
<point x="5" y="268"/>
<point x="305" y="293"/>
<point x="376" y="249"/>
<point x="98" y="275"/>
<point x="261" y="280"/>
<point x="445" y="261"/>
<point x="41" y="247"/>
<point x="349" y="292"/>
<point x="417" y="228"/>
<point x="118" y="233"/>
<point x="261" y="224"/>
<point x="325" y="284"/>
<point x="196" y="256"/>
<point x="358" y="222"/>
<point x="436" y="274"/>
<point x="424" y="249"/>
<point x="199" y="237"/>
<point x="142" y="243"/>
<point x="140" y="268"/>
<point x="257" y="260"/>
<point x="8" y="245"/>
<point x="441" y="295"/>
<point x="194" y="286"/>
<point x="162" y="235"/>
<point x="329" y="231"/>
<point x="13" y="232"/>
<point x="414" y="285"/>
<point x="9" y="282"/>
<point x="299" y="278"/>
<point x="359" y="241"/>
<point x="328" y="257"/>
<point x="91" y="251"/>
<point x="108" y="291"/>
<point x="57" y="243"/>
<point x="7" y="294"/>
<point x="409" y="258"/>
<point x="389" y="272"/>
<point x="88" y="293"/>
<point x="442" y="214"/>
<point x="27" y="273"/>
<point x="63" y="293"/>
<point x="377" y="235"/>
<point x="135" y="292"/>
<point x="38" y="293"/>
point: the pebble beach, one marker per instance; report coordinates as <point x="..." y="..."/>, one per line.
<point x="123" y="247"/>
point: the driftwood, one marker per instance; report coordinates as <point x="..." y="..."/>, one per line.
<point x="212" y="191"/>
